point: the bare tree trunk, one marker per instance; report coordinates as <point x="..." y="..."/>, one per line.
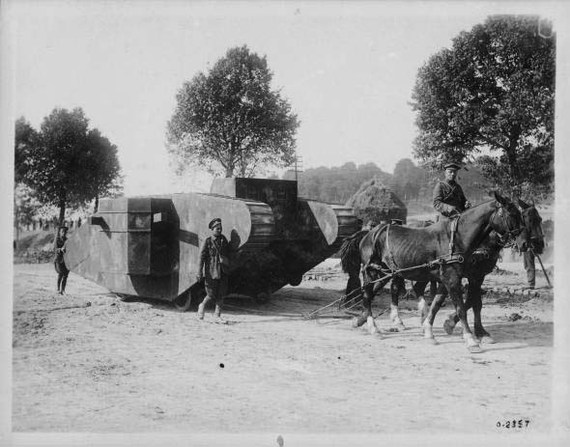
<point x="230" y="167"/>
<point x="61" y="210"/>
<point x="513" y="166"/>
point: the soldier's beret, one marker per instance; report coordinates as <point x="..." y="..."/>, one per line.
<point x="214" y="222"/>
<point x="452" y="165"/>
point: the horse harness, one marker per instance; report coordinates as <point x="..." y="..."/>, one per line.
<point x="393" y="269"/>
<point x="452" y="257"/>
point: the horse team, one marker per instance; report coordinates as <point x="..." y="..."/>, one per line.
<point x="446" y="251"/>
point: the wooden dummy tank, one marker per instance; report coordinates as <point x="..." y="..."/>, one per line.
<point x="149" y="246"/>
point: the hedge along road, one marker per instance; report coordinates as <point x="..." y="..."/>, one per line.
<point x="89" y="362"/>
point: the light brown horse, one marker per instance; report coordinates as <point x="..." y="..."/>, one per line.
<point x="425" y="254"/>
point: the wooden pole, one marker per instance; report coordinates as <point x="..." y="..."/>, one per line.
<point x="542" y="266"/>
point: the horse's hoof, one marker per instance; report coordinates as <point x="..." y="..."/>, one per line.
<point x="358" y="321"/>
<point x="475" y="349"/>
<point x="488" y="340"/>
<point x="377" y="333"/>
<point x="448" y="326"/>
<point x="371" y="326"/>
<point x="373" y="330"/>
<point x="431" y="341"/>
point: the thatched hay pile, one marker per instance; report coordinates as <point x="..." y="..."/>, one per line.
<point x="375" y="203"/>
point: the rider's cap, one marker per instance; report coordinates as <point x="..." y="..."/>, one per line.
<point x="452" y="166"/>
<point x="214" y="222"/>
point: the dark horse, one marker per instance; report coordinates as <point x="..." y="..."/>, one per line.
<point x="425" y="254"/>
<point x="481" y="264"/>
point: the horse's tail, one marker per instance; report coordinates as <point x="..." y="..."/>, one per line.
<point x="350" y="252"/>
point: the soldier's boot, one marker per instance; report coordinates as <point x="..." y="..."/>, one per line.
<point x="218" y="316"/>
<point x="201" y="308"/>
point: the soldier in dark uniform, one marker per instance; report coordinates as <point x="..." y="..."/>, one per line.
<point x="59" y="263"/>
<point x="448" y="197"/>
<point x="450" y="201"/>
<point x="212" y="266"/>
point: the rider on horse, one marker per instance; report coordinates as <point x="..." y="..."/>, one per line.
<point x="450" y="201"/>
<point x="448" y="197"/>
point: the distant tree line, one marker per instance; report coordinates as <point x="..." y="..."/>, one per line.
<point x="411" y="183"/>
<point x="336" y="185"/>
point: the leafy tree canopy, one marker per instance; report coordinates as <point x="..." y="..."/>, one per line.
<point x="65" y="163"/>
<point x="490" y="98"/>
<point x="230" y="120"/>
<point x="26" y="139"/>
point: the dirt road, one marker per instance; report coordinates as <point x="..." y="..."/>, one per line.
<point x="89" y="362"/>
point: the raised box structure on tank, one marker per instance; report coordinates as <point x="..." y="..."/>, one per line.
<point x="149" y="246"/>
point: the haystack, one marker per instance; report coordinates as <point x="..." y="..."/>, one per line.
<point x="375" y="203"/>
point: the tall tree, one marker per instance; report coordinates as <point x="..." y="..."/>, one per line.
<point x="65" y="163"/>
<point x="230" y="120"/>
<point x="26" y="139"/>
<point x="104" y="178"/>
<point x="491" y="98"/>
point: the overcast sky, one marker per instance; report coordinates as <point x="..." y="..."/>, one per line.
<point x="347" y="69"/>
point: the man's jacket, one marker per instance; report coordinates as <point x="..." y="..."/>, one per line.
<point x="210" y="256"/>
<point x="448" y="198"/>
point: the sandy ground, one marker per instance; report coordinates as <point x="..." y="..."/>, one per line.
<point x="88" y="362"/>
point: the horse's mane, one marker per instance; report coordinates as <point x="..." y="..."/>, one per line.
<point x="533" y="212"/>
<point x="350" y="253"/>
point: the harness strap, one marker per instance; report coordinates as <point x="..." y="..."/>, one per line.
<point x="439" y="262"/>
<point x="453" y="225"/>
<point x="450" y="258"/>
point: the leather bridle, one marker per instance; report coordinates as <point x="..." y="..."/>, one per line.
<point x="510" y="234"/>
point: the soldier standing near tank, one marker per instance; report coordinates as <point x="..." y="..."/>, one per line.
<point x="59" y="263"/>
<point x="212" y="268"/>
